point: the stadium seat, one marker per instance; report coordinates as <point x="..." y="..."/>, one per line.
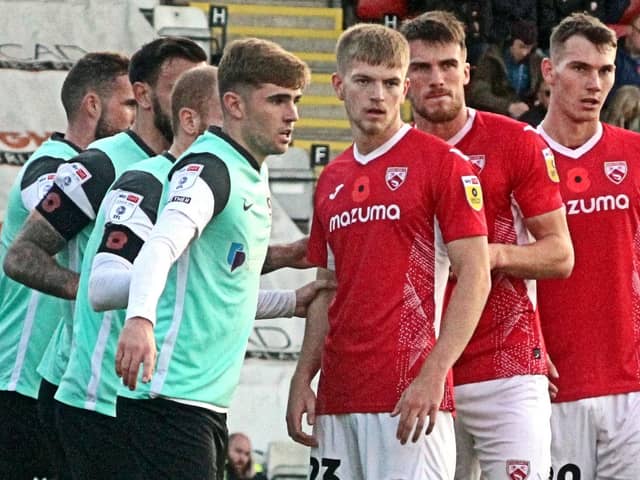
<point x="374" y="10"/>
<point x="191" y="22"/>
<point x="287" y="461"/>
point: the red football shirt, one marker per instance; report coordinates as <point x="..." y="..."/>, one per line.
<point x="519" y="181"/>
<point x="380" y="221"/>
<point x="591" y="321"/>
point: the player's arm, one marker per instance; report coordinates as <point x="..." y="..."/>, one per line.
<point x="549" y="256"/>
<point x="31" y="260"/>
<point x="199" y="190"/>
<point x="289" y="303"/>
<point x="470" y="263"/>
<point x="302" y="399"/>
<point x="131" y="210"/>
<point x="293" y="255"/>
<point x="68" y="206"/>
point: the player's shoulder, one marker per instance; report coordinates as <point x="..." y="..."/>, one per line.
<point x="614" y="134"/>
<point x="502" y="126"/>
<point x="425" y="142"/>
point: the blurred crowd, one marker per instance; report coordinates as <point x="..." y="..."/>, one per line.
<point x="507" y="40"/>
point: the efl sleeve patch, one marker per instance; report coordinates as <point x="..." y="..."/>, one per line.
<point x="124" y="206"/>
<point x="473" y="191"/>
<point x="550" y="162"/>
<point x="37" y="180"/>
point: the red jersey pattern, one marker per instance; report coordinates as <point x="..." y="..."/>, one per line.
<point x="519" y="181"/>
<point x="381" y="221"/>
<point x="591" y="321"/>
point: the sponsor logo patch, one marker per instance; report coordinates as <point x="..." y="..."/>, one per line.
<point x="180" y="198"/>
<point x="616" y="171"/>
<point x="72" y="175"/>
<point x="473" y="191"/>
<point x="184" y="178"/>
<point x="395" y="177"/>
<point x="550" y="162"/>
<point x="478" y="161"/>
<point x="124" y="206"/>
<point x="518" y="469"/>
<point x="236" y="256"/>
<point x="44" y="183"/>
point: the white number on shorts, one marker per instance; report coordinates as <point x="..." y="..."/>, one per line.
<point x="569" y="468"/>
<point x="331" y="465"/>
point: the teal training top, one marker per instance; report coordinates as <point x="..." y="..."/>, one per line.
<point x="28" y="317"/>
<point x="206" y="312"/>
<point x="124" y="220"/>
<point x="80" y="186"/>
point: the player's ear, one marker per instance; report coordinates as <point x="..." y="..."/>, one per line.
<point x="234" y="104"/>
<point x="189" y="120"/>
<point x="143" y="95"/>
<point x="338" y="85"/>
<point x="92" y="104"/>
<point x="546" y="67"/>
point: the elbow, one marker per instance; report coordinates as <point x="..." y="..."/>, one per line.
<point x="11" y="265"/>
<point x="97" y="298"/>
<point x="565" y="264"/>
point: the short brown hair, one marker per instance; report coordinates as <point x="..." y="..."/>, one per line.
<point x="436" y="26"/>
<point x="194" y="89"/>
<point x="254" y="62"/>
<point x="95" y="71"/>
<point x="372" y="44"/>
<point x="582" y="25"/>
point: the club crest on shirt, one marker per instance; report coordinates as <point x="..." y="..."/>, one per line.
<point x="473" y="191"/>
<point x="184" y="178"/>
<point x="124" y="206"/>
<point x="550" y="162"/>
<point x="518" y="469"/>
<point x="477" y="161"/>
<point x="616" y="171"/>
<point x="395" y="177"/>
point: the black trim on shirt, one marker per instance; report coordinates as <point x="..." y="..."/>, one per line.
<point x="169" y="156"/>
<point x="40" y="166"/>
<point x="215" y="174"/>
<point x="141" y="143"/>
<point x="102" y="172"/>
<point x="59" y="137"/>
<point x="217" y="131"/>
<point x="145" y="184"/>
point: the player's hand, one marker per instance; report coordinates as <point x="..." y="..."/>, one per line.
<point x="301" y="400"/>
<point x="136" y="345"/>
<point x="306" y="294"/>
<point x="553" y="374"/>
<point x="421" y="400"/>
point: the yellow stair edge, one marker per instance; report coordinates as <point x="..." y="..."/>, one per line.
<point x="282" y="32"/>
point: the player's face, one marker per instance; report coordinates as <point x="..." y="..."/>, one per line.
<point x="580" y="78"/>
<point x="438" y="74"/>
<point x="118" y="111"/>
<point x="372" y="96"/>
<point x="170" y="71"/>
<point x="270" y="114"/>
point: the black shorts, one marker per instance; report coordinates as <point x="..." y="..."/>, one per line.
<point x="93" y="444"/>
<point x="172" y="440"/>
<point x="24" y="452"/>
<point x="46" y="415"/>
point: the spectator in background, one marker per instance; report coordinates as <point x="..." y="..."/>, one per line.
<point x="476" y="15"/>
<point x="550" y="12"/>
<point x="505" y="13"/>
<point x="624" y="108"/>
<point x="240" y="465"/>
<point x="628" y="58"/>
<point x="535" y="115"/>
<point x="505" y="79"/>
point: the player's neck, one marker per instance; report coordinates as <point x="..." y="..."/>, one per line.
<point x="367" y="143"/>
<point x="566" y="131"/>
<point x="443" y="130"/>
<point x="181" y="141"/>
<point x="144" y="127"/>
<point x="80" y="134"/>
